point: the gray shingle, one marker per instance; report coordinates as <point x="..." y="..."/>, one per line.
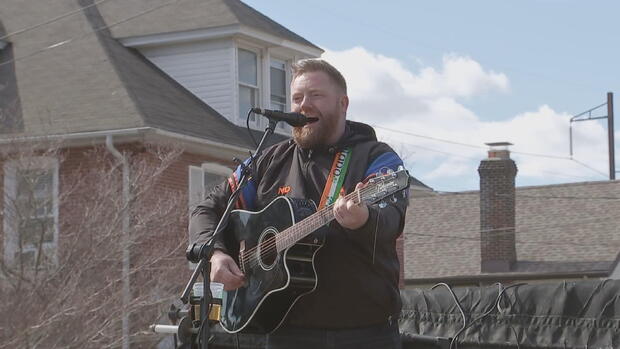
<point x="186" y="15"/>
<point x="74" y="76"/>
<point x="560" y="228"/>
<point x="162" y="102"/>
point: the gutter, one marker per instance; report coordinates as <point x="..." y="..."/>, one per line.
<point x="125" y="240"/>
<point x="136" y="131"/>
<point x="220" y="32"/>
<point x="77" y="135"/>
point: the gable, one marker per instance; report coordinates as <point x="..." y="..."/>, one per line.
<point x="192" y="16"/>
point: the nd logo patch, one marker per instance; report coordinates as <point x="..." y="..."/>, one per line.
<point x="284" y="190"/>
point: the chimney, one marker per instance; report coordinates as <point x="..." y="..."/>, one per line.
<point x="497" y="209"/>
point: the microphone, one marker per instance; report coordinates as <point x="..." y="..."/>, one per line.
<point x="293" y="119"/>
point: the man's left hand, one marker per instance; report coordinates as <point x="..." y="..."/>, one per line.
<point x="348" y="213"/>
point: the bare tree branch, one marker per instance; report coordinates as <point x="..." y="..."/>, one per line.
<point x="71" y="297"/>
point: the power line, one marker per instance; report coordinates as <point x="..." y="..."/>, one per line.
<point x="564" y="175"/>
<point x="434" y="150"/>
<point x="557" y="157"/>
<point x="80" y="37"/>
<point x="526" y="230"/>
<point x="588" y="167"/>
<point x="428" y="137"/>
<point x="476" y="159"/>
<point x="443" y="140"/>
<point x="569" y="197"/>
<point x="50" y="21"/>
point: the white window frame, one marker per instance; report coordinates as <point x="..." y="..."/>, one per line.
<point x="282" y="127"/>
<point x="284" y="63"/>
<point x="258" y="91"/>
<point x="196" y="189"/>
<point x="11" y="238"/>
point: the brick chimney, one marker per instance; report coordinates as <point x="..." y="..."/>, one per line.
<point x="497" y="209"/>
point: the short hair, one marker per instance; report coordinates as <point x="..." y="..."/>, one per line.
<point x="314" y="64"/>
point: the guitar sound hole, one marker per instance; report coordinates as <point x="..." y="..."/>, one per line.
<point x="268" y="254"/>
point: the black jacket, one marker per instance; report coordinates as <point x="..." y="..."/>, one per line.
<point x="358" y="271"/>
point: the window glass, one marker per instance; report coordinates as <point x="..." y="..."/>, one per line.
<point x="247" y="100"/>
<point x="248" y="67"/>
<point x="248" y="84"/>
<point x="30" y="214"/>
<point x="278" y="85"/>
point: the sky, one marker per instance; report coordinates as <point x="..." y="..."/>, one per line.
<point x="439" y="79"/>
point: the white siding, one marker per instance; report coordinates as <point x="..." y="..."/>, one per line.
<point x="204" y="68"/>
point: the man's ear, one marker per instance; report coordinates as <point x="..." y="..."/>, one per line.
<point x="344" y="104"/>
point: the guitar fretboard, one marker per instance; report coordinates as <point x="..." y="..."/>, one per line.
<point x="305" y="227"/>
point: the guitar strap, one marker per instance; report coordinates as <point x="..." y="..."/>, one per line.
<point x="336" y="178"/>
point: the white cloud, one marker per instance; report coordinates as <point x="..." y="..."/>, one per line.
<point x="459" y="77"/>
<point x="427" y="102"/>
<point x="451" y="168"/>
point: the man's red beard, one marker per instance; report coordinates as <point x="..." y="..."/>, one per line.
<point x="305" y="137"/>
<point x="315" y="137"/>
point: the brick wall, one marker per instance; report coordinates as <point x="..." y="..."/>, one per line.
<point x="81" y="170"/>
<point x="497" y="214"/>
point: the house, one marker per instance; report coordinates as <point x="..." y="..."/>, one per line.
<point x="90" y="94"/>
<point x="500" y="233"/>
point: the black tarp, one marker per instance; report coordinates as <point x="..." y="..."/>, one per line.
<point x="582" y="314"/>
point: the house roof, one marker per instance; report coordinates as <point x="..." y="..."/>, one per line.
<point x="564" y="229"/>
<point x="162" y="102"/>
<point x="73" y="75"/>
<point x="188" y="15"/>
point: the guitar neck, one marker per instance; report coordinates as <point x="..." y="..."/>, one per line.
<point x="376" y="189"/>
<point x="305" y="227"/>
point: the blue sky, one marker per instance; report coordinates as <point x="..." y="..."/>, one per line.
<point x="471" y="72"/>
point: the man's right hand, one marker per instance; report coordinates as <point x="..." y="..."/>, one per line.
<point x="224" y="270"/>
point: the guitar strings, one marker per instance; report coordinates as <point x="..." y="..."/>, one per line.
<point x="289" y="239"/>
<point x="251" y="259"/>
<point x="268" y="245"/>
<point x="286" y="238"/>
<point x="286" y="235"/>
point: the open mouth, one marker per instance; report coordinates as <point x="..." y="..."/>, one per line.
<point x="312" y="120"/>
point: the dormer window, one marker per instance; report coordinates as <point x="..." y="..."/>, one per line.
<point x="248" y="84"/>
<point x="232" y="74"/>
<point x="263" y="82"/>
<point x="277" y="74"/>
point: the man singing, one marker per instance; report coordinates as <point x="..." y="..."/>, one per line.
<point x="356" y="301"/>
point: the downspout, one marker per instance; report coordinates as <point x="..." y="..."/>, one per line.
<point x="126" y="291"/>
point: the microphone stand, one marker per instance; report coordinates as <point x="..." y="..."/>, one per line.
<point x="206" y="250"/>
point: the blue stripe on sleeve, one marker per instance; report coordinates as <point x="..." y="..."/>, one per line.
<point x="384" y="161"/>
<point x="248" y="193"/>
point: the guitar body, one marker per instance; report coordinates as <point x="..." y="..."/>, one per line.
<point x="274" y="280"/>
<point x="277" y="247"/>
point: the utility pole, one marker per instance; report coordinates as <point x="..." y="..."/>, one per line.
<point x="610" y="132"/>
<point x="586" y="116"/>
